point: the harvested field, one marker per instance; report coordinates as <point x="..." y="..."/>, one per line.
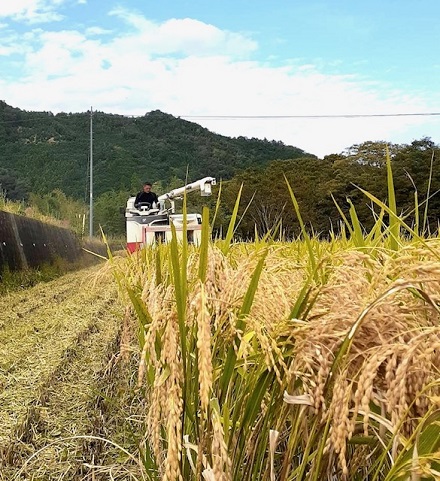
<point x="58" y="378"/>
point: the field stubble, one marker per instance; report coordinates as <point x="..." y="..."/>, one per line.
<point x="60" y="382"/>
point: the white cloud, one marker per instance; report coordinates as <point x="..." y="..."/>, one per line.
<point x="31" y="11"/>
<point x="12" y="43"/>
<point x="186" y="67"/>
<point x="7" y="50"/>
<point x="185" y="36"/>
<point x="98" y="31"/>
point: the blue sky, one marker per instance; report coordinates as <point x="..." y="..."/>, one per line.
<point x="232" y="58"/>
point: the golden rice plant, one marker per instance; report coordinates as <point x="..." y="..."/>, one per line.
<point x="302" y="360"/>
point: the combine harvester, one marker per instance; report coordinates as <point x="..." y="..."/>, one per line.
<point x="150" y="224"/>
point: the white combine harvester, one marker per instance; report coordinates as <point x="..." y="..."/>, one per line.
<point x="150" y="224"/>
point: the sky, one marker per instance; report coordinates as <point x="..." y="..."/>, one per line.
<point x="280" y="63"/>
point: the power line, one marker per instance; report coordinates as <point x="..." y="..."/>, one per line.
<point x="323" y="116"/>
<point x="238" y="117"/>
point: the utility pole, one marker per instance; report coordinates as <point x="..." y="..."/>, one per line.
<point x="91" y="174"/>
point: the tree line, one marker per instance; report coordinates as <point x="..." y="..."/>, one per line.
<point x="320" y="186"/>
<point x="323" y="185"/>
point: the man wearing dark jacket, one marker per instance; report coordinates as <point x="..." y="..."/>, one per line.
<point x="146" y="196"/>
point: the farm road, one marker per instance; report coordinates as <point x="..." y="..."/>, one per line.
<point x="56" y="341"/>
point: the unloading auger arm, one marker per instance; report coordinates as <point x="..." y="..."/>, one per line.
<point x="204" y="185"/>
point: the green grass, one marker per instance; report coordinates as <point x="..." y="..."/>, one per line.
<point x="14" y="280"/>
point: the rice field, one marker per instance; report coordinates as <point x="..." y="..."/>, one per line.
<point x="256" y="366"/>
<point x="229" y="361"/>
<point x="301" y="360"/>
<point x="267" y="360"/>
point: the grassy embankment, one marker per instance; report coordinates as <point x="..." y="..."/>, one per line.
<point x="22" y="279"/>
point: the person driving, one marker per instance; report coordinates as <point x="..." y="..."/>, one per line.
<point x="146" y="196"/>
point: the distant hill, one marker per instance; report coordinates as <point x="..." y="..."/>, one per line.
<point x="43" y="151"/>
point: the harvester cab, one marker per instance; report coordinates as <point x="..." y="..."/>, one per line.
<point x="148" y="224"/>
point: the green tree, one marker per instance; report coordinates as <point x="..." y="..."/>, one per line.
<point x="12" y="187"/>
<point x="107" y="212"/>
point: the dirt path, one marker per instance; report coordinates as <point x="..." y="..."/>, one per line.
<point x="58" y="341"/>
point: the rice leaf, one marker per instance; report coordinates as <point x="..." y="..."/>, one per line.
<point x="401" y="222"/>
<point x="344" y="218"/>
<point x="217" y="204"/>
<point x="204" y="245"/>
<point x="231" y="227"/>
<point x="158" y="266"/>
<point x="394" y="224"/>
<point x="425" y="214"/>
<point x="357" y="234"/>
<point x="180" y="300"/>
<point x="231" y="358"/>
<point x="305" y="235"/>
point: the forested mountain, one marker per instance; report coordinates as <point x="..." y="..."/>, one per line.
<point x="44" y="152"/>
